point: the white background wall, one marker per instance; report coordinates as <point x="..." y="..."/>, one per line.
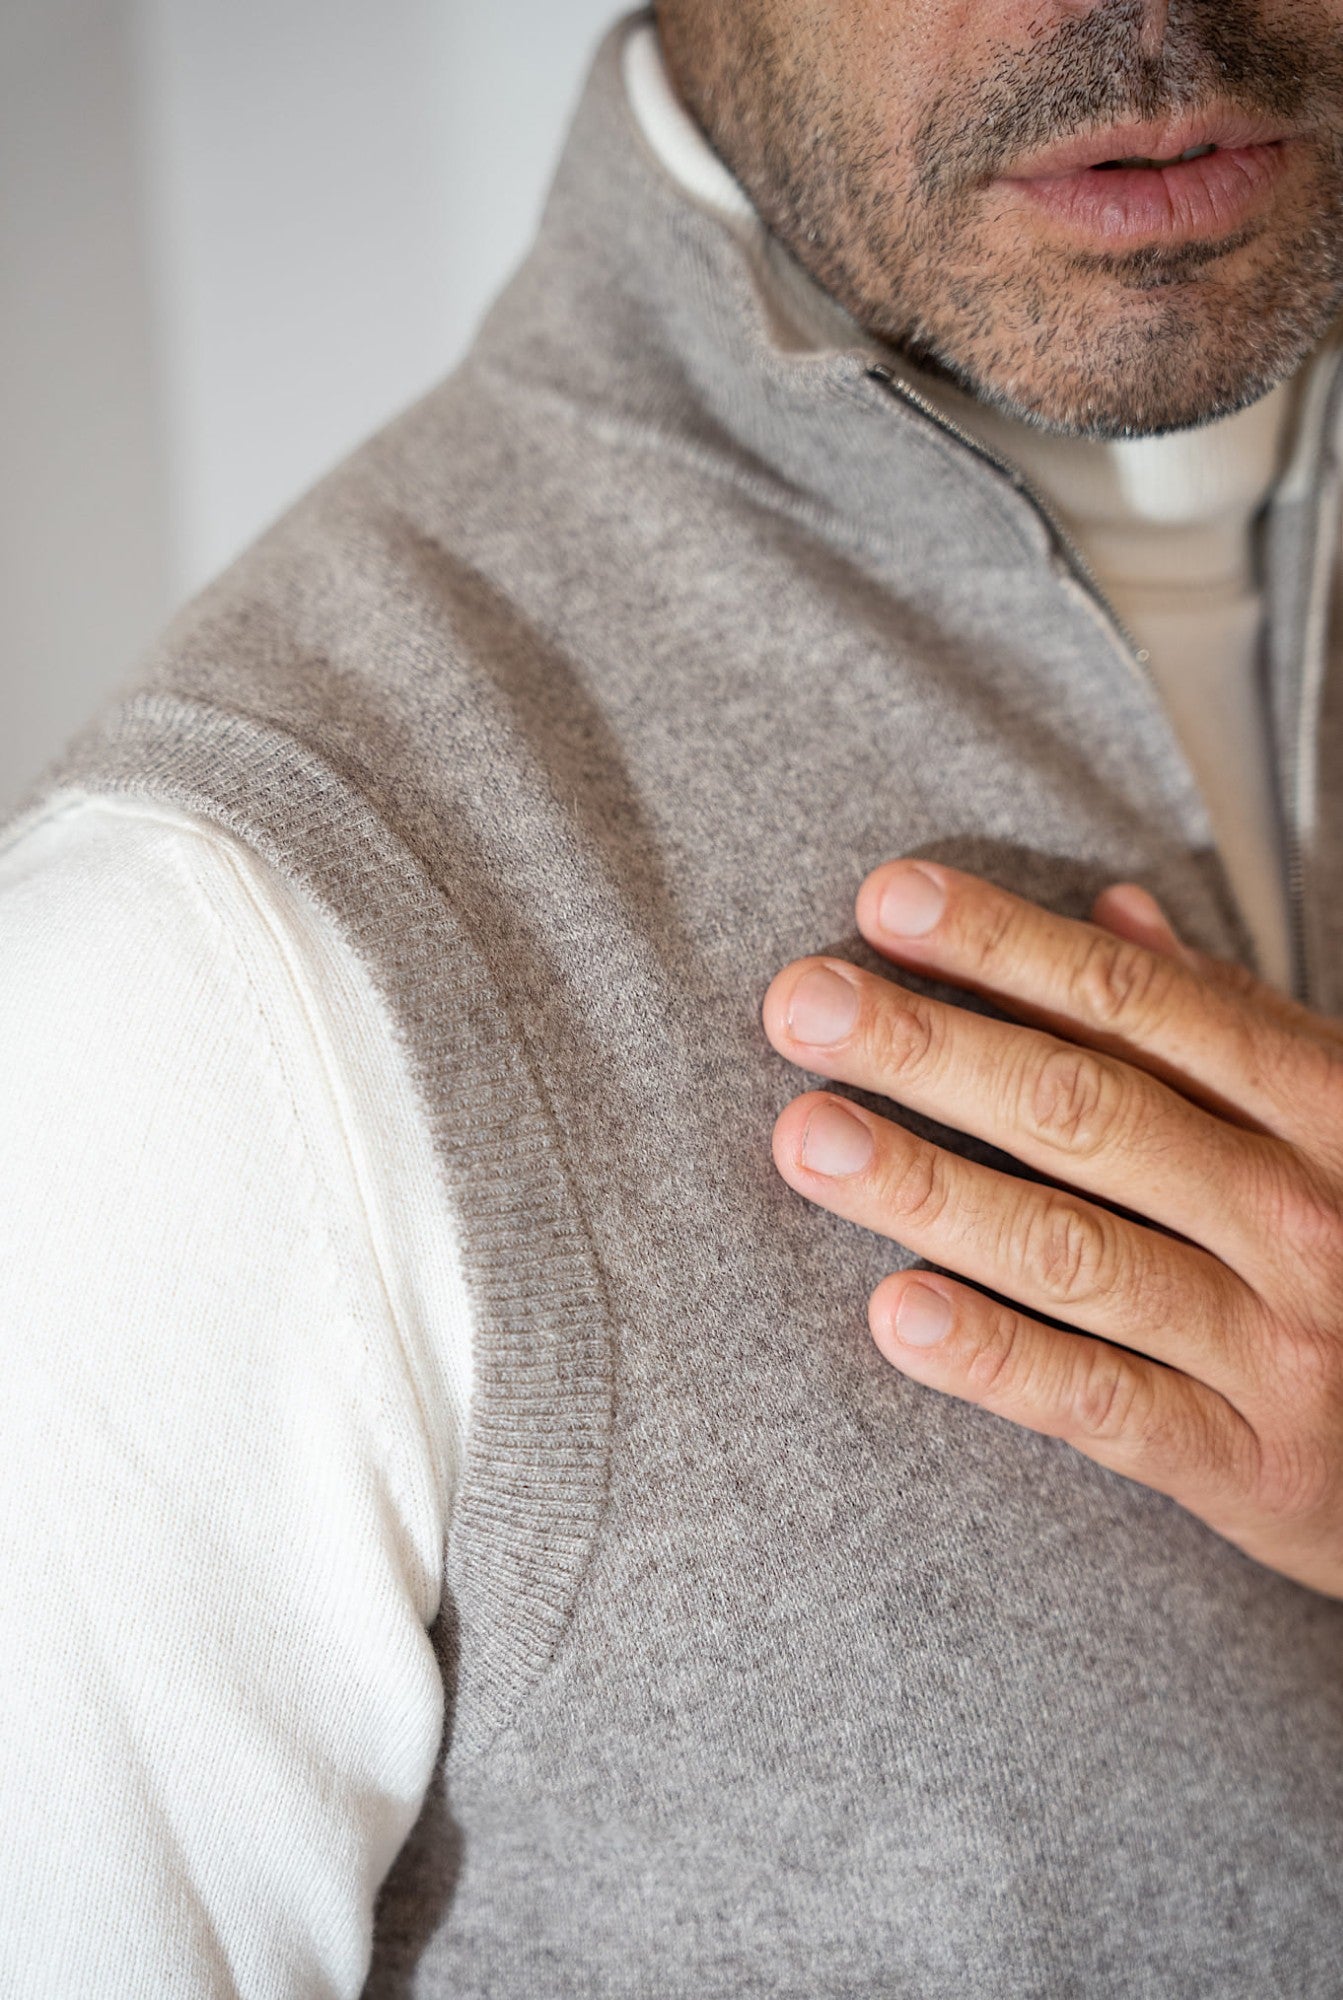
<point x="235" y="236"/>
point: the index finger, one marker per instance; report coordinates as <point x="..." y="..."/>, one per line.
<point x="1214" y="1044"/>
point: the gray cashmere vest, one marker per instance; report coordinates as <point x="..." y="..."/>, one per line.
<point x="583" y="695"/>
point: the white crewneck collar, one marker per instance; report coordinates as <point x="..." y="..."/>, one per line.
<point x="1173" y="510"/>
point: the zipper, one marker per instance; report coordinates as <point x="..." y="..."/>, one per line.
<point x="1066" y="546"/>
<point x="1312" y="653"/>
<point x="1136" y="656"/>
<point x="1310" y="666"/>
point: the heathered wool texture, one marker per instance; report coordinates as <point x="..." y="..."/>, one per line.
<point x="584" y="695"/>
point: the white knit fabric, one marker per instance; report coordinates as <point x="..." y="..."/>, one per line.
<point x="231" y="1425"/>
<point x="236" y="1344"/>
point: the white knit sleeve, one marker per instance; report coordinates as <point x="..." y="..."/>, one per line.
<point x="235" y="1377"/>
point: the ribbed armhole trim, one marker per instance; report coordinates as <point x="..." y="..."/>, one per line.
<point x="535" y="1469"/>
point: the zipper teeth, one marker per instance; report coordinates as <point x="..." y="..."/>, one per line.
<point x="1066" y="545"/>
<point x="1314" y="639"/>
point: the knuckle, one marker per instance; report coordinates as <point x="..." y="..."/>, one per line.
<point x="997" y="1364"/>
<point x="915" y="1187"/>
<point x="1067" y="1251"/>
<point x="1306" y="1221"/>
<point x="1074" y="1101"/>
<point x="1116" y="983"/>
<point x="904" y="1039"/>
<point x="1110" y="1398"/>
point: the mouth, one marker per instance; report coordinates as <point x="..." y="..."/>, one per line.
<point x="1156" y="146"/>
<point x="1175" y="183"/>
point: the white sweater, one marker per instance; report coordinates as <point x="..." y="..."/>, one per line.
<point x="235" y="1340"/>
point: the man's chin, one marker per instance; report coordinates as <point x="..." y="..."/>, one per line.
<point x="1138" y="387"/>
<point x="1132" y="411"/>
<point x="1120" y="358"/>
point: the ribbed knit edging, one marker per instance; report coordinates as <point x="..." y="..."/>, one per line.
<point x="535" y="1471"/>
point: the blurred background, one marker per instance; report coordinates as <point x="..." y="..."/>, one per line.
<point x="235" y="237"/>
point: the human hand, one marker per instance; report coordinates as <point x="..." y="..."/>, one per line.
<point x="1208" y="1360"/>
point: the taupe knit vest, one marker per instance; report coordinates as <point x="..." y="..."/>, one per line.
<point x="583" y="696"/>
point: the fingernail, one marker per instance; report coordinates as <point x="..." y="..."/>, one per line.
<point x="823" y="1008"/>
<point x="911" y="902"/>
<point x="835" y="1142"/>
<point x="922" y="1316"/>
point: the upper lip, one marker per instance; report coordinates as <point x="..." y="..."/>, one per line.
<point x="1163" y="139"/>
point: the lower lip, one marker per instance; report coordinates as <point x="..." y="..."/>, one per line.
<point x="1175" y="204"/>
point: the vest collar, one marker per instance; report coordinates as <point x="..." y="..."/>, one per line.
<point x="646" y="309"/>
<point x="691" y="318"/>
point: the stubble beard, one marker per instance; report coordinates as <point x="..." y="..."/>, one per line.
<point x="1083" y="343"/>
